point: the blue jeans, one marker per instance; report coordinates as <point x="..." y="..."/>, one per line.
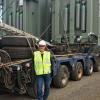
<point x="46" y="79"/>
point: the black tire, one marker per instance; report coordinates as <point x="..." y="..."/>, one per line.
<point x="32" y="89"/>
<point x="78" y="72"/>
<point x="6" y="75"/>
<point x="16" y="41"/>
<point x="5" y="57"/>
<point x="19" y="52"/>
<point x="89" y="68"/>
<point x="60" y="80"/>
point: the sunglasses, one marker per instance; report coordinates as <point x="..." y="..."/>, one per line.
<point x="41" y="45"/>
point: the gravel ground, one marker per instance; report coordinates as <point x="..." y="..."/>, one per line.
<point x="88" y="88"/>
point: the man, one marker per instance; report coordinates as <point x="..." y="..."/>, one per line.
<point x="42" y="67"/>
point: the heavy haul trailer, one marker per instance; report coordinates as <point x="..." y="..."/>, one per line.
<point x="16" y="71"/>
<point x="17" y="76"/>
<point x="73" y="66"/>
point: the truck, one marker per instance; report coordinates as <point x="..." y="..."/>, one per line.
<point x="16" y="73"/>
<point x="67" y="21"/>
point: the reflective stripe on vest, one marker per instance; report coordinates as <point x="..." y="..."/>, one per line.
<point x="42" y="66"/>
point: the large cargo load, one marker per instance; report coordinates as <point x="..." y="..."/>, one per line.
<point x="67" y="18"/>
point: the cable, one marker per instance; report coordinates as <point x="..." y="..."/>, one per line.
<point x="39" y="38"/>
<point x="29" y="44"/>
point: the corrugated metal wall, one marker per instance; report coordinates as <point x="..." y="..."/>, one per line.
<point x="32" y="16"/>
<point x="68" y="17"/>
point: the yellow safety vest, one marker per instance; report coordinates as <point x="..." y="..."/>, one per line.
<point x="42" y="65"/>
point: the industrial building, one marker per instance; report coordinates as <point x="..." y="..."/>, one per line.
<point x="65" y="18"/>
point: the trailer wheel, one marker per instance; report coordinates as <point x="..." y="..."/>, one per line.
<point x="89" y="67"/>
<point x="32" y="89"/>
<point x="78" y="72"/>
<point x="60" y="80"/>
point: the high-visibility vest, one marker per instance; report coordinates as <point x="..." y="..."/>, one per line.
<point x="42" y="65"/>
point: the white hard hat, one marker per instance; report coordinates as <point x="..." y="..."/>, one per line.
<point x="42" y="42"/>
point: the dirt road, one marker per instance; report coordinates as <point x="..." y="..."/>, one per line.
<point x="88" y="88"/>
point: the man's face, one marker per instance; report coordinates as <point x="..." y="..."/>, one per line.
<point x="42" y="48"/>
